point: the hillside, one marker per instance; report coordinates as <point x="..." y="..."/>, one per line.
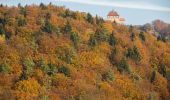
<point x="52" y="53"/>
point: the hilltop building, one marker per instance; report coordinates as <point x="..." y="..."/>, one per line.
<point x="114" y="17"/>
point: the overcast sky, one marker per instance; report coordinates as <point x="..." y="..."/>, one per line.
<point x="134" y="11"/>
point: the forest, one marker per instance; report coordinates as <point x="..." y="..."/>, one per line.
<point x="49" y="52"/>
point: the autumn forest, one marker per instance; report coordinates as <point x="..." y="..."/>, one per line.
<point x="49" y="52"/>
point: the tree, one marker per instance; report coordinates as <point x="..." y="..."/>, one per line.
<point x="64" y="70"/>
<point x="2" y="31"/>
<point x="23" y="11"/>
<point x="21" y="22"/>
<point x="113" y="55"/>
<point x="112" y="40"/>
<point x="162" y="70"/>
<point x="48" y="27"/>
<point x="5" y="68"/>
<point x="52" y="69"/>
<point x="42" y="6"/>
<point x="132" y="36"/>
<point x="89" y="18"/>
<point x="74" y="37"/>
<point x="28" y="64"/>
<point x="92" y="41"/>
<point x="153" y="76"/>
<point x="124" y="66"/>
<point x="67" y="28"/>
<point x="134" y="54"/>
<point x="142" y="36"/>
<point x="108" y="76"/>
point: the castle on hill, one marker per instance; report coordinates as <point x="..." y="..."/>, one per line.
<point x="114" y="17"/>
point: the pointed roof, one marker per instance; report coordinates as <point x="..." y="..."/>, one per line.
<point x="112" y="13"/>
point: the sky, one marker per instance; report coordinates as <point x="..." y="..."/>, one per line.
<point x="136" y="12"/>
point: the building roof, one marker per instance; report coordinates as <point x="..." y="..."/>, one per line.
<point x="122" y="19"/>
<point x="112" y="13"/>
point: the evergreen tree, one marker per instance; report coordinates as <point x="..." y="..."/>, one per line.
<point x="68" y="28"/>
<point x="142" y="36"/>
<point x="108" y="76"/>
<point x="113" y="55"/>
<point x="132" y="36"/>
<point x="74" y="38"/>
<point x="23" y="11"/>
<point x="134" y="54"/>
<point x="92" y="41"/>
<point x="89" y="18"/>
<point x="112" y="40"/>
<point x="48" y="27"/>
<point x="153" y="76"/>
<point x="64" y="70"/>
<point x="124" y="66"/>
<point x="162" y="70"/>
<point x="21" y="22"/>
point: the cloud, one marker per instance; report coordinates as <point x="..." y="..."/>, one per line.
<point x="133" y="5"/>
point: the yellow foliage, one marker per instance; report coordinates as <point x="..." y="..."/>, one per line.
<point x="30" y="87"/>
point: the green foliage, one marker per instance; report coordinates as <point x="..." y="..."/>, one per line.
<point x="52" y="69"/>
<point x="112" y="40"/>
<point x="134" y="54"/>
<point x="101" y="35"/>
<point x="5" y="68"/>
<point x="162" y="70"/>
<point x="2" y="31"/>
<point x="113" y="55"/>
<point x="142" y="36"/>
<point x="89" y="18"/>
<point x="44" y="97"/>
<point x="132" y="36"/>
<point x="21" y="22"/>
<point x="43" y="6"/>
<point x="68" y="28"/>
<point x="23" y="11"/>
<point x="28" y="64"/>
<point x="124" y="66"/>
<point x="48" y="27"/>
<point x="64" y="70"/>
<point x="66" y="54"/>
<point x="153" y="76"/>
<point x="92" y="41"/>
<point x="43" y="66"/>
<point x="108" y="76"/>
<point x="74" y="38"/>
